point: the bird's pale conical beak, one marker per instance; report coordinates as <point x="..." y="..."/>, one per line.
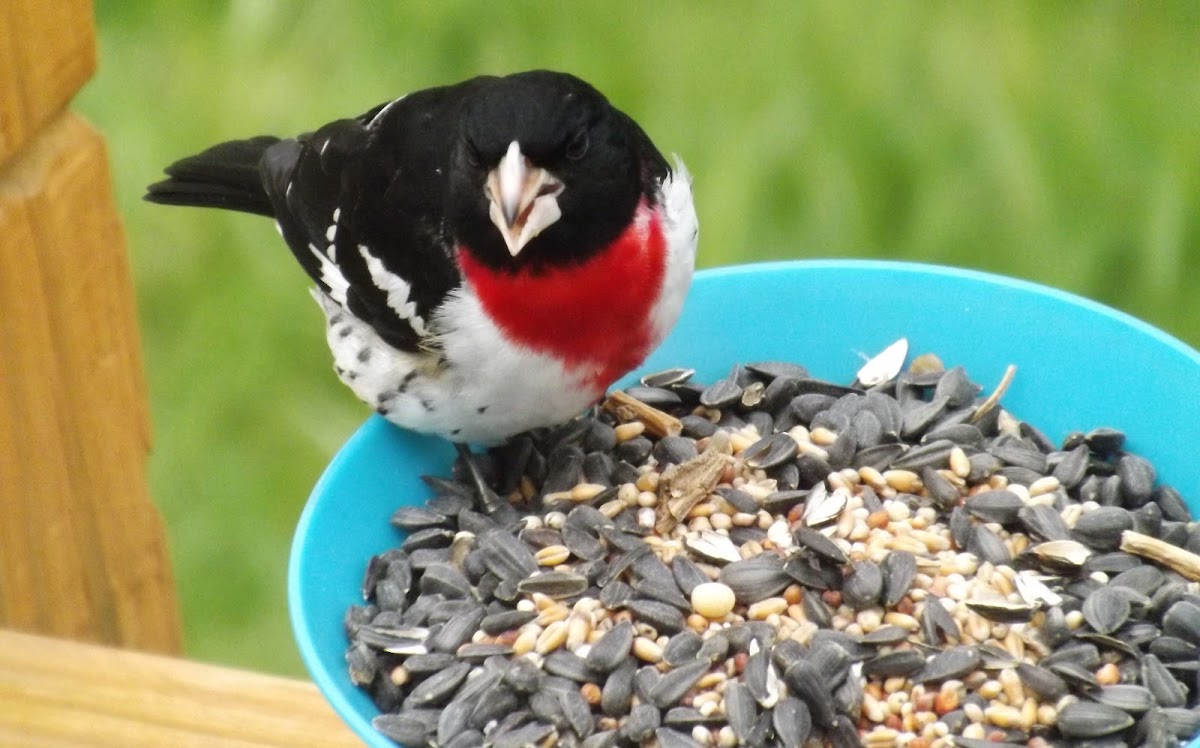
<point x="523" y="199"/>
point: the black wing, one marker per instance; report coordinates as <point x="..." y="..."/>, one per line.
<point x="357" y="195"/>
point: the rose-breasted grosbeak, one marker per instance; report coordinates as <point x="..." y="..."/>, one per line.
<point x="490" y="255"/>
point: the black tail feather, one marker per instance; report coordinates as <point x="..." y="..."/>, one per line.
<point x="224" y="176"/>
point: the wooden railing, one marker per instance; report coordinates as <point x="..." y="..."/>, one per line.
<point x="85" y="579"/>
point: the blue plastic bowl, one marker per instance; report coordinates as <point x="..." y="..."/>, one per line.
<point x="1080" y="365"/>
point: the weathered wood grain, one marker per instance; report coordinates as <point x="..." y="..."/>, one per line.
<point x="82" y="548"/>
<point x="60" y="694"/>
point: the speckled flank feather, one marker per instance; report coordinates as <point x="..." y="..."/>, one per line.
<point x="479" y="389"/>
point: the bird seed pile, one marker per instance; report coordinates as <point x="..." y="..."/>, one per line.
<point x="776" y="560"/>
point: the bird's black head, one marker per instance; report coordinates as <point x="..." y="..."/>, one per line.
<point x="544" y="170"/>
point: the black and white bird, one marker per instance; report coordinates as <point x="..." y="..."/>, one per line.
<point x="490" y="256"/>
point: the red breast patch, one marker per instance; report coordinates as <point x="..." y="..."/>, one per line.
<point x="594" y="316"/>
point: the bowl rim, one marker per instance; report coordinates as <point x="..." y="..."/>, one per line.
<point x="330" y="683"/>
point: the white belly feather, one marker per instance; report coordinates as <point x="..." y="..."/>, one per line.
<point x="486" y="390"/>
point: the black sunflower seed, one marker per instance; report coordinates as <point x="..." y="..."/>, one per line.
<point x="863" y="585"/>
<point x="577" y="711"/>
<point x="453" y="720"/>
<point x="960" y="527"/>
<point x="528" y="735"/>
<point x="955" y="663"/>
<point x="685" y="717"/>
<point x="686" y="574"/>
<point x="1082" y="653"/>
<point x="612" y="648"/>
<point x="568" y="665"/>
<point x="1045" y="683"/>
<point x="1182" y="620"/>
<point x="664" y="590"/>
<point x="792" y="722"/>
<point x="555" y="584"/>
<point x="1101" y="528"/>
<point x="815" y="541"/>
<point x="776" y="369"/>
<point x="879" y="457"/>
<point x="1018" y="453"/>
<point x="1180" y="722"/>
<point x="430" y="538"/>
<point x="1166" y="690"/>
<point x="931" y="454"/>
<point x="617" y="694"/>
<point x="721" y="394"/>
<point x="641" y="723"/>
<point x="1076" y="675"/>
<point x="664" y="618"/>
<point x="988" y="546"/>
<point x="672" y="450"/>
<point x="411" y="727"/>
<point x="901" y="662"/>
<point x="437" y="688"/>
<point x="445" y="579"/>
<point x="1171" y="503"/>
<point x="1106" y="610"/>
<point x="523" y="676"/>
<point x="944" y="493"/>
<point x="1137" y="478"/>
<point x="457" y="631"/>
<point x="920" y="416"/>
<point x="1127" y="697"/>
<point x="962" y="742"/>
<point x="831" y="661"/>
<point x="740" y="709"/>
<point x="695" y="427"/>
<point x="480" y="652"/>
<point x="1086" y="719"/>
<point x="1001" y="506"/>
<point x="899" y="569"/>
<point x="1114" y="562"/>
<point x="804" y="681"/>
<point x="603" y="739"/>
<point x="418" y="518"/>
<point x="1002" y="611"/>
<point x="1072" y="468"/>
<point x="770" y="451"/>
<point x="676" y="682"/>
<point x="504" y="558"/>
<point x="682" y="647"/>
<point x="885" y="635"/>
<point x="755" y="579"/>
<point x="668" y="738"/>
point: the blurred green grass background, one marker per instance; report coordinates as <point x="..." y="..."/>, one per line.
<point x="1053" y="141"/>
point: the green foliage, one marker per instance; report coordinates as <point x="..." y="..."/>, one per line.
<point x="1056" y="142"/>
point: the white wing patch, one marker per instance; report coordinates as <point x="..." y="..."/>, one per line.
<point x="331" y="233"/>
<point x="397" y="289"/>
<point x="331" y="276"/>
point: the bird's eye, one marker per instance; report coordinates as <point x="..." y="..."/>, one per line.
<point x="578" y="146"/>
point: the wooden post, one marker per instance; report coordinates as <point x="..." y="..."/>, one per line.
<point x="82" y="548"/>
